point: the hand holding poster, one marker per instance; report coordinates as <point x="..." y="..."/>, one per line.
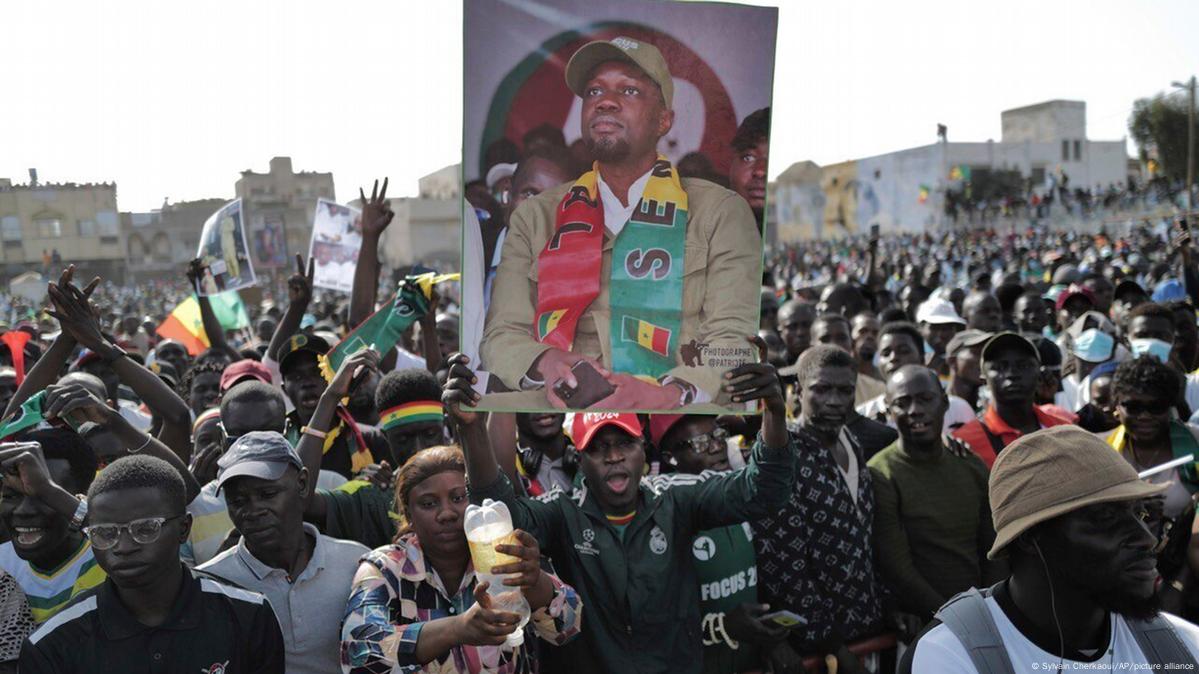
<point x="336" y="240"/>
<point x="223" y="251"/>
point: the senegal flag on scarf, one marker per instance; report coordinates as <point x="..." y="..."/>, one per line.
<point x="384" y="328"/>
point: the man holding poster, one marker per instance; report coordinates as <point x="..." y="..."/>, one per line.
<point x="630" y="288"/>
<point x="223" y="251"/>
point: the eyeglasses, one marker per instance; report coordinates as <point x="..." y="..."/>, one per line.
<point x="143" y="531"/>
<point x="1134" y="407"/>
<point x="707" y="442"/>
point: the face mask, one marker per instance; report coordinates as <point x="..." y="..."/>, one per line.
<point x="1154" y="347"/>
<point x="1094" y="346"/>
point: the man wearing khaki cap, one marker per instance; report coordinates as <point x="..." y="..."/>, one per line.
<point x="1071" y="516"/>
<point x="630" y="268"/>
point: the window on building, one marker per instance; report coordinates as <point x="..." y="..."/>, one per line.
<point x="1038" y="175"/>
<point x="1065" y="150"/>
<point x="10" y="228"/>
<point x="1078" y="150"/>
<point x="48" y="228"/>
<point x="107" y="223"/>
<point x="87" y="228"/>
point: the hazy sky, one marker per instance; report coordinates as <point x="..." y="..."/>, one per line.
<point x="174" y="99"/>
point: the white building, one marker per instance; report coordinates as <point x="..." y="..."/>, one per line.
<point x="1038" y="141"/>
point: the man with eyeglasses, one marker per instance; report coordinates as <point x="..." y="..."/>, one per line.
<point x="932" y="517"/>
<point x="724" y="559"/>
<point x="152" y="613"/>
<point x="1011" y="365"/>
<point x="302" y="572"/>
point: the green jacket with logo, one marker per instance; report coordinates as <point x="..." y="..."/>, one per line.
<point x="640" y="594"/>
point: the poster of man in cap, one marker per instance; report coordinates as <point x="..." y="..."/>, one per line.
<point x="617" y="269"/>
<point x="223" y="251"/>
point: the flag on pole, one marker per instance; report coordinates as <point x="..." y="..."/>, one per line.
<point x="384" y="327"/>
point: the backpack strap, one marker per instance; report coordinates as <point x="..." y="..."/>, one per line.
<point x="1160" y="643"/>
<point x="968" y="618"/>
<point x="995" y="440"/>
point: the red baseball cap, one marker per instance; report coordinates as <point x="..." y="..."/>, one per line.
<point x="1072" y="292"/>
<point x="242" y="370"/>
<point x="587" y="424"/>
<point x="660" y="425"/>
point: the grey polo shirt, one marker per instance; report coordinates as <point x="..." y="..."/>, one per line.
<point x="311" y="608"/>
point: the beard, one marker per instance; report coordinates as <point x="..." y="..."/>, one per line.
<point x="1128" y="605"/>
<point x="608" y="149"/>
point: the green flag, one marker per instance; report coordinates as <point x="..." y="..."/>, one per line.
<point x="385" y="327"/>
<point x="28" y="416"/>
<point x="229" y="310"/>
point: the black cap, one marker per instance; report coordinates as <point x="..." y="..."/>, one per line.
<point x="1008" y="340"/>
<point x="966" y="339"/>
<point x="1128" y="286"/>
<point x="299" y="343"/>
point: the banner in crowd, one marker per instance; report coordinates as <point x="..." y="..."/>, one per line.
<point x="336" y="240"/>
<point x="269" y="241"/>
<point x="383" y="329"/>
<point x="662" y="302"/>
<point x="223" y="250"/>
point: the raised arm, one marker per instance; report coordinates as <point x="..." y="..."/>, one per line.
<point x="312" y="440"/>
<point x="79" y="318"/>
<point x="75" y="404"/>
<point x="542" y="518"/>
<point x="763" y="486"/>
<point x="45" y="371"/>
<point x="299" y="294"/>
<point x="212" y="327"/>
<point x="376" y="216"/>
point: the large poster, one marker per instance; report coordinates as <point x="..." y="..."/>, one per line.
<point x="223" y="251"/>
<point x="618" y="270"/>
<point x="270" y="244"/>
<point x="336" y="240"/>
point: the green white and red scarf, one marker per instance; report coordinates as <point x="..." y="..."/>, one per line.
<point x="646" y="282"/>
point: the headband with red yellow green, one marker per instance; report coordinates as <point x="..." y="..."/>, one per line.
<point x="411" y="413"/>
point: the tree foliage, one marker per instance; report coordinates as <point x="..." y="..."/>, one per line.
<point x="1159" y="127"/>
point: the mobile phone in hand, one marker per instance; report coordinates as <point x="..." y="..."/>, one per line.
<point x="591" y="388"/>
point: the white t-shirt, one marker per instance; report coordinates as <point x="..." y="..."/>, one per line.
<point x="617" y="214"/>
<point x="939" y="651"/>
<point x="959" y="413"/>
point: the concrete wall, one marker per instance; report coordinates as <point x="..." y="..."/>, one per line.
<point x="81" y="222"/>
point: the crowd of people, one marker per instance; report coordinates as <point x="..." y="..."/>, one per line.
<point x="974" y="450"/>
<point x="160" y="495"/>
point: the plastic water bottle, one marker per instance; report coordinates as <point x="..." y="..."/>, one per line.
<point x="489" y="525"/>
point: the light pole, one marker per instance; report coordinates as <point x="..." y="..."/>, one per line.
<point x="1190" y="87"/>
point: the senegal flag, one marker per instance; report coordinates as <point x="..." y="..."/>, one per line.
<point x="547" y="321"/>
<point x="185" y="326"/>
<point x="923" y="197"/>
<point x="646" y="334"/>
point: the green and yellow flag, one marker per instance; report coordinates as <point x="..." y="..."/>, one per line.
<point x="384" y="327"/>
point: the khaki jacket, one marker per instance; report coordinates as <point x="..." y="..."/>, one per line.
<point x="722" y="281"/>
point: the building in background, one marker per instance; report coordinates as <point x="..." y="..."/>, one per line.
<point x="43" y="226"/>
<point x="426" y="228"/>
<point x="162" y="242"/>
<point x="279" y="207"/>
<point x="1042" y="146"/>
